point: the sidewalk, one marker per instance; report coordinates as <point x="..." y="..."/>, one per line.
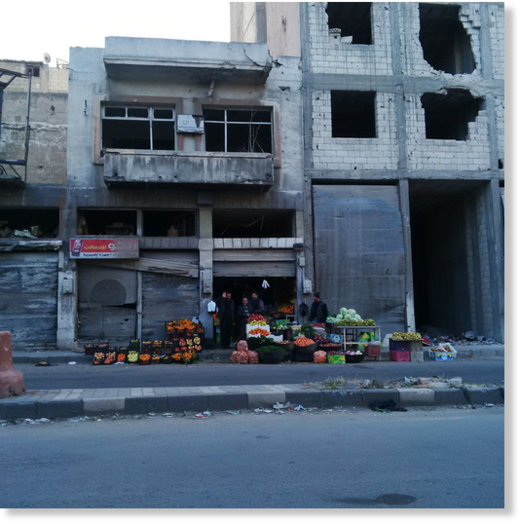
<point x="67" y="403"/>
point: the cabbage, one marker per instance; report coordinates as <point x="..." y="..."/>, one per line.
<point x="343" y="311"/>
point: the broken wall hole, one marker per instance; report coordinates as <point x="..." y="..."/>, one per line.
<point x="446" y="45"/>
<point x="352" y="20"/>
<point x="353" y="114"/>
<point x="447" y="115"/>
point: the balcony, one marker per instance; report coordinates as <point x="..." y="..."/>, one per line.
<point x="134" y="167"/>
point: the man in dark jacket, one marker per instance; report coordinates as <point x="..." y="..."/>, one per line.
<point x="257" y="304"/>
<point x="319" y="310"/>
<point x="226" y="315"/>
<point x="243" y="312"/>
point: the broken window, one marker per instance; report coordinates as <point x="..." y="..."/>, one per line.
<point x="135" y="127"/>
<point x="353" y="19"/>
<point x="353" y="114"/>
<point x="238" y="130"/>
<point x="29" y="223"/>
<point x="107" y="222"/>
<point x="253" y="224"/>
<point x="446" y="45"/>
<point x="447" y="115"/>
<point x="165" y="223"/>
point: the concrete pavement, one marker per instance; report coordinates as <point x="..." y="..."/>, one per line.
<point x="67" y="403"/>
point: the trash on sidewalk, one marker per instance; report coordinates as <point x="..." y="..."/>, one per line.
<point x="233" y="412"/>
<point x="42" y="363"/>
<point x="204" y="414"/>
<point x="72" y="363"/>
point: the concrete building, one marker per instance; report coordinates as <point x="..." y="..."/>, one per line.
<point x="186" y="157"/>
<point x="33" y="159"/>
<point x="403" y="108"/>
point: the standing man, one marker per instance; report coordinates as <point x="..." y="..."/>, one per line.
<point x="319" y="310"/>
<point x="226" y="315"/>
<point x="257" y="304"/>
<point x="243" y="312"/>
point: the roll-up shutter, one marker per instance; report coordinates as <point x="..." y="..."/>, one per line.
<point x="359" y="250"/>
<point x="28" y="298"/>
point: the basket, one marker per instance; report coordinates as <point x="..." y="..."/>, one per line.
<point x="276" y="356"/>
<point x="354" y="359"/>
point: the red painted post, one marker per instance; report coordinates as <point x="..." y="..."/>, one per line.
<point x="11" y="380"/>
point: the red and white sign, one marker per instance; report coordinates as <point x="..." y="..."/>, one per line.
<point x="127" y="247"/>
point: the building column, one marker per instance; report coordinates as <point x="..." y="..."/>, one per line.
<point x="404" y="203"/>
<point x="206" y="267"/>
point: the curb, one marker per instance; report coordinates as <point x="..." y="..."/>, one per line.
<point x="135" y="401"/>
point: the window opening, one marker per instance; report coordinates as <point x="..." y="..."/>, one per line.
<point x="238" y="130"/>
<point x="447" y="115"/>
<point x="353" y="19"/>
<point x="29" y="223"/>
<point x="353" y="114"/>
<point x="446" y="45"/>
<point x="253" y="224"/>
<point x="168" y="223"/>
<point x="106" y="222"/>
<point x="138" y="128"/>
<point x="33" y="70"/>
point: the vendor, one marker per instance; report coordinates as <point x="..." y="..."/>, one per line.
<point x="244" y="310"/>
<point x="257" y="304"/>
<point x="319" y="310"/>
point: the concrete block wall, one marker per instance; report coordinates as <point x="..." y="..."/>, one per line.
<point x="497" y="32"/>
<point x="330" y="55"/>
<point x="354" y="153"/>
<point x="500" y="122"/>
<point x="445" y="155"/>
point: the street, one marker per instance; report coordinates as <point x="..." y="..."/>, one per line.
<point x="350" y="458"/>
<point x="207" y="373"/>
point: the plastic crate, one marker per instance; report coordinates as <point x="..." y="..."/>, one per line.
<point x="406" y="345"/>
<point x="399" y="355"/>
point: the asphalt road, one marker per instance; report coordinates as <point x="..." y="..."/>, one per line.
<point x="206" y="373"/>
<point x="422" y="458"/>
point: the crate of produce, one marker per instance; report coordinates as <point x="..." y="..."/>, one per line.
<point x="336" y="359"/>
<point x="441" y="354"/>
<point x="399" y="355"/>
<point x="406" y="345"/>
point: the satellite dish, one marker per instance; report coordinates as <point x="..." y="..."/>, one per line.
<point x="47" y="58"/>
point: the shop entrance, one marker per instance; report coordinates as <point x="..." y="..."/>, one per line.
<point x="281" y="290"/>
<point x="445" y="237"/>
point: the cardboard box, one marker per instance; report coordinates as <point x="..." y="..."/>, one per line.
<point x="336" y="359"/>
<point x="441" y="355"/>
<point x="336" y="338"/>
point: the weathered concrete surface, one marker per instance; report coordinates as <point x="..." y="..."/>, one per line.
<point x="11" y="380"/>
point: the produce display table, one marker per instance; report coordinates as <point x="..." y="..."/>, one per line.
<point x="354" y="333"/>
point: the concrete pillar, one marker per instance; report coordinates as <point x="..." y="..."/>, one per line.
<point x="206" y="268"/>
<point x="11" y="380"/>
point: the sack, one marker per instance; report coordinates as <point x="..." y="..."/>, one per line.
<point x="212" y="306"/>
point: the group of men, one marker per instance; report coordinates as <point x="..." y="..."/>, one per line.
<point x="235" y="317"/>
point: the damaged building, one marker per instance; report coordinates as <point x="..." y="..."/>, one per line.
<point x="403" y="125"/>
<point x="353" y="148"/>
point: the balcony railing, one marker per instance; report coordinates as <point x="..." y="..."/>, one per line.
<point x="130" y="167"/>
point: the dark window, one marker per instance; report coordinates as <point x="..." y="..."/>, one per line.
<point x="107" y="222"/>
<point x="138" y="128"/>
<point x="168" y="223"/>
<point x="447" y="115"/>
<point x="39" y="223"/>
<point x="253" y="223"/>
<point x="446" y="45"/>
<point x="238" y="130"/>
<point x="353" y="19"/>
<point x="33" y="70"/>
<point x="353" y="114"/>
